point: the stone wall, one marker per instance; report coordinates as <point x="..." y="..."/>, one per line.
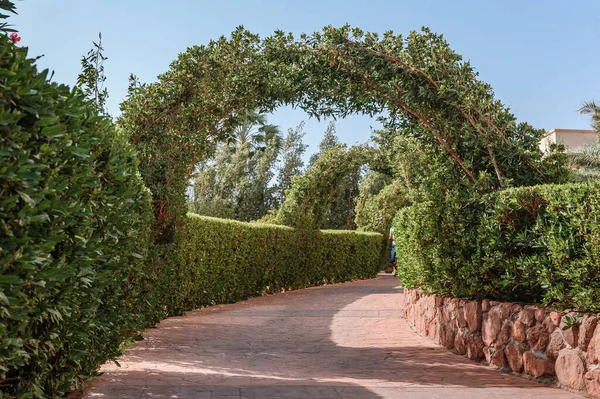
<point x="511" y="336"/>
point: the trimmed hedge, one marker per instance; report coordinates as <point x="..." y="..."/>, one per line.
<point x="74" y="232"/>
<point x="78" y="274"/>
<point x="223" y="261"/>
<point x="533" y="244"/>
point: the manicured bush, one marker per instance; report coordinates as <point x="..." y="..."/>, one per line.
<point x="73" y="234"/>
<point x="533" y="244"/>
<point x="221" y="261"/>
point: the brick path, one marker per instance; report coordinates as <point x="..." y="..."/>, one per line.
<point x="343" y="341"/>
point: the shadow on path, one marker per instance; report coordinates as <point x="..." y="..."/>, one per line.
<point x="339" y="341"/>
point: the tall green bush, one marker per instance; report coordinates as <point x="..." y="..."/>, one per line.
<point x="223" y="261"/>
<point x="73" y="234"/>
<point x="534" y="244"/>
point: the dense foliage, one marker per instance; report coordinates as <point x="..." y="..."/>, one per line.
<point x="340" y="207"/>
<point x="378" y="202"/>
<point x="74" y="227"/>
<point x="247" y="176"/>
<point x="78" y="276"/>
<point x="222" y="261"/>
<point x="310" y="200"/>
<point x="585" y="163"/>
<point x="532" y="244"/>
<point x="235" y="183"/>
<point x="292" y="164"/>
<point x="417" y="79"/>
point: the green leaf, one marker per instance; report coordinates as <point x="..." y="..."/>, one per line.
<point x="27" y="198"/>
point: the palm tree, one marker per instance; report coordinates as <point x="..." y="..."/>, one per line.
<point x="255" y="131"/>
<point x="592" y="109"/>
<point x="586" y="162"/>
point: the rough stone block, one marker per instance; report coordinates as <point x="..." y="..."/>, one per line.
<point x="537" y="366"/>
<point x="592" y="383"/>
<point x="460" y="341"/>
<point x="593" y="349"/>
<point x="447" y="336"/>
<point x="439" y="301"/>
<point x="514" y="356"/>
<point x="586" y="331"/>
<point x="485" y="305"/>
<point x="527" y="316"/>
<point x="505" y="334"/>
<point x="475" y="347"/>
<point x="515" y="309"/>
<point x="495" y="356"/>
<point x="540" y="315"/>
<point x="473" y="315"/>
<point x="570" y="369"/>
<point x="549" y="325"/>
<point x="538" y="337"/>
<point x="519" y="331"/>
<point x="555" y="318"/>
<point x="491" y="326"/>
<point x="432" y="331"/>
<point x="555" y="345"/>
<point x="571" y="336"/>
<point x="460" y="318"/>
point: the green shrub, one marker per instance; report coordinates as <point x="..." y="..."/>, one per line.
<point x="222" y="261"/>
<point x="73" y="217"/>
<point x="533" y="244"/>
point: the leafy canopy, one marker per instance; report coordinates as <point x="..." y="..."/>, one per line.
<point x="416" y="80"/>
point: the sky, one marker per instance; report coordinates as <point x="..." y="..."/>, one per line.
<point x="540" y="56"/>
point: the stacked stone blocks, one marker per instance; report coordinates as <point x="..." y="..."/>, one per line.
<point x="532" y="340"/>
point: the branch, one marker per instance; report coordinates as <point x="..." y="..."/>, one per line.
<point x="424" y="121"/>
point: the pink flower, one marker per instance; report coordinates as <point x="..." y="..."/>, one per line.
<point x="15" y="38"/>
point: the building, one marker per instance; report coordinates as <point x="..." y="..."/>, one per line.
<point x="573" y="139"/>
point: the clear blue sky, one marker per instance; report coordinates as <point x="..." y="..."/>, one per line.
<point x="541" y="56"/>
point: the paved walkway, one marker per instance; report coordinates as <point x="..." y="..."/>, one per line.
<point x="341" y="342"/>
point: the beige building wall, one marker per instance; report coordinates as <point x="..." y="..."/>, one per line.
<point x="573" y="139"/>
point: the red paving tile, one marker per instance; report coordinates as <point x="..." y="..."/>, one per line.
<point x="341" y="341"/>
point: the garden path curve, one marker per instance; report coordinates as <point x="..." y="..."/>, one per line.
<point x="340" y="341"/>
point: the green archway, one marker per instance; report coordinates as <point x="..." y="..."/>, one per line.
<point x="417" y="80"/>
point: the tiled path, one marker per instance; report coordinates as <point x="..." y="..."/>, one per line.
<point x="341" y="342"/>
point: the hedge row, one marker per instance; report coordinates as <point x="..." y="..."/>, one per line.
<point x="533" y="244"/>
<point x="74" y="218"/>
<point x="224" y="261"/>
<point x="78" y="274"/>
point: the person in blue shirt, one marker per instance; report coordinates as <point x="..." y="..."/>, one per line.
<point x="393" y="253"/>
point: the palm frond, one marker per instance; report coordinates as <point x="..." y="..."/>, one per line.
<point x="592" y="109"/>
<point x="584" y="160"/>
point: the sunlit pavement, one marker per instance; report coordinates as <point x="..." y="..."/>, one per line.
<point x="341" y="341"/>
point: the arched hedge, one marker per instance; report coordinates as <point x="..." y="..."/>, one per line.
<point x="416" y="79"/>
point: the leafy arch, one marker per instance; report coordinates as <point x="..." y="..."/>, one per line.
<point x="416" y="80"/>
<point x="308" y="199"/>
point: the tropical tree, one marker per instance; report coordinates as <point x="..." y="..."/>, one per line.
<point x="235" y="182"/>
<point x="291" y="163"/>
<point x="329" y="141"/>
<point x="593" y="110"/>
<point x="586" y="162"/>
<point x="256" y="131"/>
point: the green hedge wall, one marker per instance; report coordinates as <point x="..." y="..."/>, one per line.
<point x="74" y="232"/>
<point x="533" y="244"/>
<point x="221" y="261"/>
<point x="78" y="274"/>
